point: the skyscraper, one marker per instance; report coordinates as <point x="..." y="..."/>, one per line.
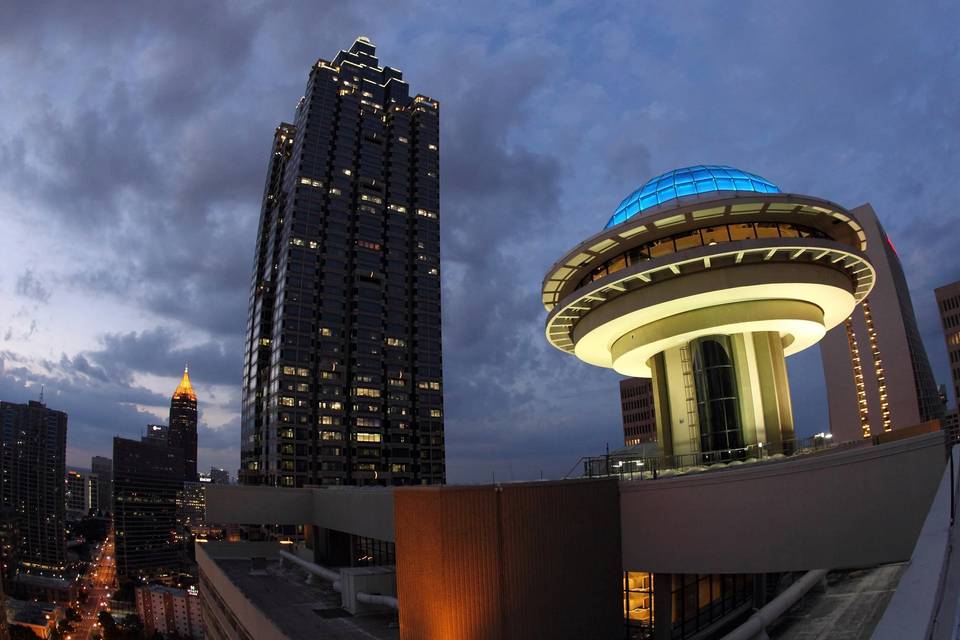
<point x="342" y="369"/>
<point x="639" y="415"/>
<point x="103" y="468"/>
<point x="33" y="442"/>
<point x="877" y="373"/>
<point x="182" y="431"/>
<point x="147" y="483"/>
<point x="948" y="301"/>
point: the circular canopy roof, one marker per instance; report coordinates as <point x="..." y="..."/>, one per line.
<point x="702" y="178"/>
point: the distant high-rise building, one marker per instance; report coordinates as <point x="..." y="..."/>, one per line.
<point x="877" y="373"/>
<point x="169" y="611"/>
<point x="219" y="476"/>
<point x="147" y="483"/>
<point x="103" y="468"/>
<point x="948" y="301"/>
<point x="76" y="494"/>
<point x="33" y="443"/>
<point x="158" y="432"/>
<point x="342" y="369"/>
<point x="639" y="415"/>
<point x="183" y="425"/>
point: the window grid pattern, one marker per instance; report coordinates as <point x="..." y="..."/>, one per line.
<point x="687" y="182"/>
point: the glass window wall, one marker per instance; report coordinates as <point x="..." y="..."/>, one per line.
<point x="700" y="237"/>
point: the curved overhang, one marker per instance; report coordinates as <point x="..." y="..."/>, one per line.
<point x="693" y="212"/>
<point x="829" y="275"/>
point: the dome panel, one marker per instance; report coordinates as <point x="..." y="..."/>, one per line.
<point x="686" y="182"/>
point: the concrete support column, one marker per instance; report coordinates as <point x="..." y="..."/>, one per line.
<point x="662" y="606"/>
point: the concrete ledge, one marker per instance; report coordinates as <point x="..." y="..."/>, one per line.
<point x="853" y="508"/>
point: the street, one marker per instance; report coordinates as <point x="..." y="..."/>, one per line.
<point x="99" y="585"/>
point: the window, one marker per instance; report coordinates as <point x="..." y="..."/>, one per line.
<point x="331" y="435"/>
<point x="366" y="392"/>
<point x="742" y="232"/>
<point x="364" y="436"/>
<point x="436" y="413"/>
<point x="426" y="213"/>
<point x="365" y="244"/>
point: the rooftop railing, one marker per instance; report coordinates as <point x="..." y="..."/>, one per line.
<point x="635" y="466"/>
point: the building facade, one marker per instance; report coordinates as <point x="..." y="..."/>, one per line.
<point x="877" y="373"/>
<point x="639" y="415"/>
<point x="33" y="442"/>
<point x="705" y="279"/>
<point x="948" y="302"/>
<point x="103" y="469"/>
<point x="342" y="377"/>
<point x="75" y="494"/>
<point x="182" y="427"/>
<point x="147" y="486"/>
<point x="169" y="611"/>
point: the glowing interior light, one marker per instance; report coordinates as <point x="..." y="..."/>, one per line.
<point x="687" y="182"/>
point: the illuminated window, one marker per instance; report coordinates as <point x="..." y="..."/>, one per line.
<point x="402" y="139"/>
<point x="426" y="214"/>
<point x="366" y="392"/>
<point x="289" y="371"/>
<point x="364" y="436"/>
<point x="396" y="342"/>
<point x="436" y="413"/>
<point x="334" y="191"/>
<point x="264" y="342"/>
<point x="432" y="147"/>
<point x="287" y="401"/>
<point x="331" y="435"/>
<point x="325" y="331"/>
<point x="396" y="207"/>
<point x="368" y="198"/>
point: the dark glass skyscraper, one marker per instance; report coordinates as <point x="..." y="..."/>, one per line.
<point x="182" y="432"/>
<point x="147" y="482"/>
<point x="342" y="373"/>
<point x="33" y="445"/>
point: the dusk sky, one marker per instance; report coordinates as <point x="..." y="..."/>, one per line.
<point x="134" y="140"/>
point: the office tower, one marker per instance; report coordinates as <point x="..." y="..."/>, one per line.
<point x="91" y="492"/>
<point x="948" y="301"/>
<point x="342" y="368"/>
<point x="76" y="494"/>
<point x="219" y="476"/>
<point x="876" y="369"/>
<point x="639" y="417"/>
<point x="158" y="432"/>
<point x="103" y="468"/>
<point x="147" y="482"/>
<point x="191" y="505"/>
<point x="182" y="432"/>
<point x="705" y="279"/>
<point x="33" y="442"/>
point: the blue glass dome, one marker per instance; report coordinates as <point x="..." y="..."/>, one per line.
<point x="702" y="178"/>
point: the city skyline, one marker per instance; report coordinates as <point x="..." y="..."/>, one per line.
<point x="511" y="199"/>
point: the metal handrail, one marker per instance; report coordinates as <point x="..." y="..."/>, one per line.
<point x="629" y="467"/>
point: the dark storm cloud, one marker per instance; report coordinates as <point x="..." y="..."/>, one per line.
<point x="157" y="352"/>
<point x="137" y="135"/>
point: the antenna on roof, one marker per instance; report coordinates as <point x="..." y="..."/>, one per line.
<point x="41" y="394"/>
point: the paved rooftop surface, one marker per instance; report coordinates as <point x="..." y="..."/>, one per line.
<point x="849" y="608"/>
<point x="304" y="610"/>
